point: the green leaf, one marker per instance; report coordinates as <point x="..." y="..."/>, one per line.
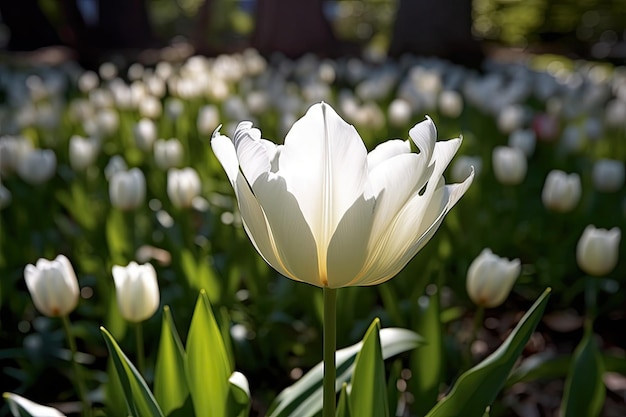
<point x="304" y="398"/>
<point x="343" y="407"/>
<point x="119" y="237"/>
<point x="207" y="365"/>
<point x="239" y="396"/>
<point x="139" y="399"/>
<point x="427" y="361"/>
<point x="200" y="274"/>
<point x="477" y="388"/>
<point x="368" y="397"/>
<point x="170" y="385"/>
<point x="584" y="387"/>
<point x="22" y="407"/>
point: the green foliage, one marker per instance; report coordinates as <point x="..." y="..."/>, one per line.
<point x="476" y="389"/>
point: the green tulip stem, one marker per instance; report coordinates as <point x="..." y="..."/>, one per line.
<point x="330" y="341"/>
<point x="591" y="295"/>
<point x="476" y="325"/>
<point x="139" y="347"/>
<point x="78" y="376"/>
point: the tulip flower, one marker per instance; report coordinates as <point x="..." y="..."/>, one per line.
<point x="53" y="286"/>
<point x="321" y="210"/>
<point x="490" y="279"/>
<point x="523" y="139"/>
<point x="561" y="191"/>
<point x="597" y="250"/>
<point x="183" y="185"/>
<point x="464" y="165"/>
<point x="168" y="153"/>
<point x="608" y="175"/>
<point x="137" y="291"/>
<point x="127" y="189"/>
<point x="83" y="152"/>
<point x="145" y="132"/>
<point x="37" y="166"/>
<point x="509" y="165"/>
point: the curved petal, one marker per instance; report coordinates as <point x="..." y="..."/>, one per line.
<point x="424" y="135"/>
<point x="292" y="240"/>
<point x="324" y="165"/>
<point x="252" y="154"/>
<point x="387" y="150"/>
<point x="224" y="150"/>
<point x="348" y="248"/>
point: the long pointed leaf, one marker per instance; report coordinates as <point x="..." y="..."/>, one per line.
<point x="477" y="388"/>
<point x="368" y="397"/>
<point x="304" y="398"/>
<point x="170" y="384"/>
<point x="427" y="361"/>
<point x="207" y="364"/>
<point x="584" y="388"/>
<point x="140" y="401"/>
<point x="343" y="408"/>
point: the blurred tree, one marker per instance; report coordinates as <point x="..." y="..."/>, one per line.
<point x="293" y="28"/>
<point x="29" y="27"/>
<point x="436" y="28"/>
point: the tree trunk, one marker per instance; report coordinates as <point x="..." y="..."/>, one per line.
<point x="436" y="28"/>
<point x="293" y="28"/>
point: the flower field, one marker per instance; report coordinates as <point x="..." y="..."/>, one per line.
<point x="162" y="302"/>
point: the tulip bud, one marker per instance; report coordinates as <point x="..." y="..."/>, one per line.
<point x="490" y="278"/>
<point x="561" y="192"/>
<point x="137" y="291"/>
<point x="145" y="134"/>
<point x="608" y="175"/>
<point x="115" y="164"/>
<point x="399" y="112"/>
<point x="37" y="166"/>
<point x="509" y="165"/>
<point x="183" y="185"/>
<point x="168" y="153"/>
<point x="450" y="103"/>
<point x="208" y="119"/>
<point x="53" y="286"/>
<point x="83" y="152"/>
<point x="127" y="189"/>
<point x="597" y="250"/>
<point x="174" y="108"/>
<point x="150" y="107"/>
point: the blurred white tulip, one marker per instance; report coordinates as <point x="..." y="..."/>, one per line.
<point x="598" y="250"/>
<point x="145" y="132"/>
<point x="53" y="286"/>
<point x="608" y="175"/>
<point x="183" y="185"/>
<point x="168" y="153"/>
<point x="137" y="291"/>
<point x="83" y="152"/>
<point x="463" y="165"/>
<point x="509" y="165"/>
<point x="127" y="189"/>
<point x="561" y="191"/>
<point x="523" y="139"/>
<point x="490" y="279"/>
<point x="37" y="166"/>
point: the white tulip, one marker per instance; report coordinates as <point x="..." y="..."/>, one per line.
<point x="83" y="152"/>
<point x="450" y="103"/>
<point x="509" y="165"/>
<point x="53" y="286"/>
<point x="168" y="153"/>
<point x="183" y="185"/>
<point x="490" y="279"/>
<point x="321" y="210"/>
<point x="127" y="189"/>
<point x="37" y="166"/>
<point x="561" y="191"/>
<point x="208" y="119"/>
<point x="137" y="291"/>
<point x="608" y="175"/>
<point x="597" y="250"/>
<point x="145" y="134"/>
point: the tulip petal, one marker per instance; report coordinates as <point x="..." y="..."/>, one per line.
<point x="324" y="164"/>
<point x="347" y="251"/>
<point x="253" y="157"/>
<point x="424" y="135"/>
<point x="292" y="240"/>
<point x="387" y="150"/>
<point x="224" y="150"/>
